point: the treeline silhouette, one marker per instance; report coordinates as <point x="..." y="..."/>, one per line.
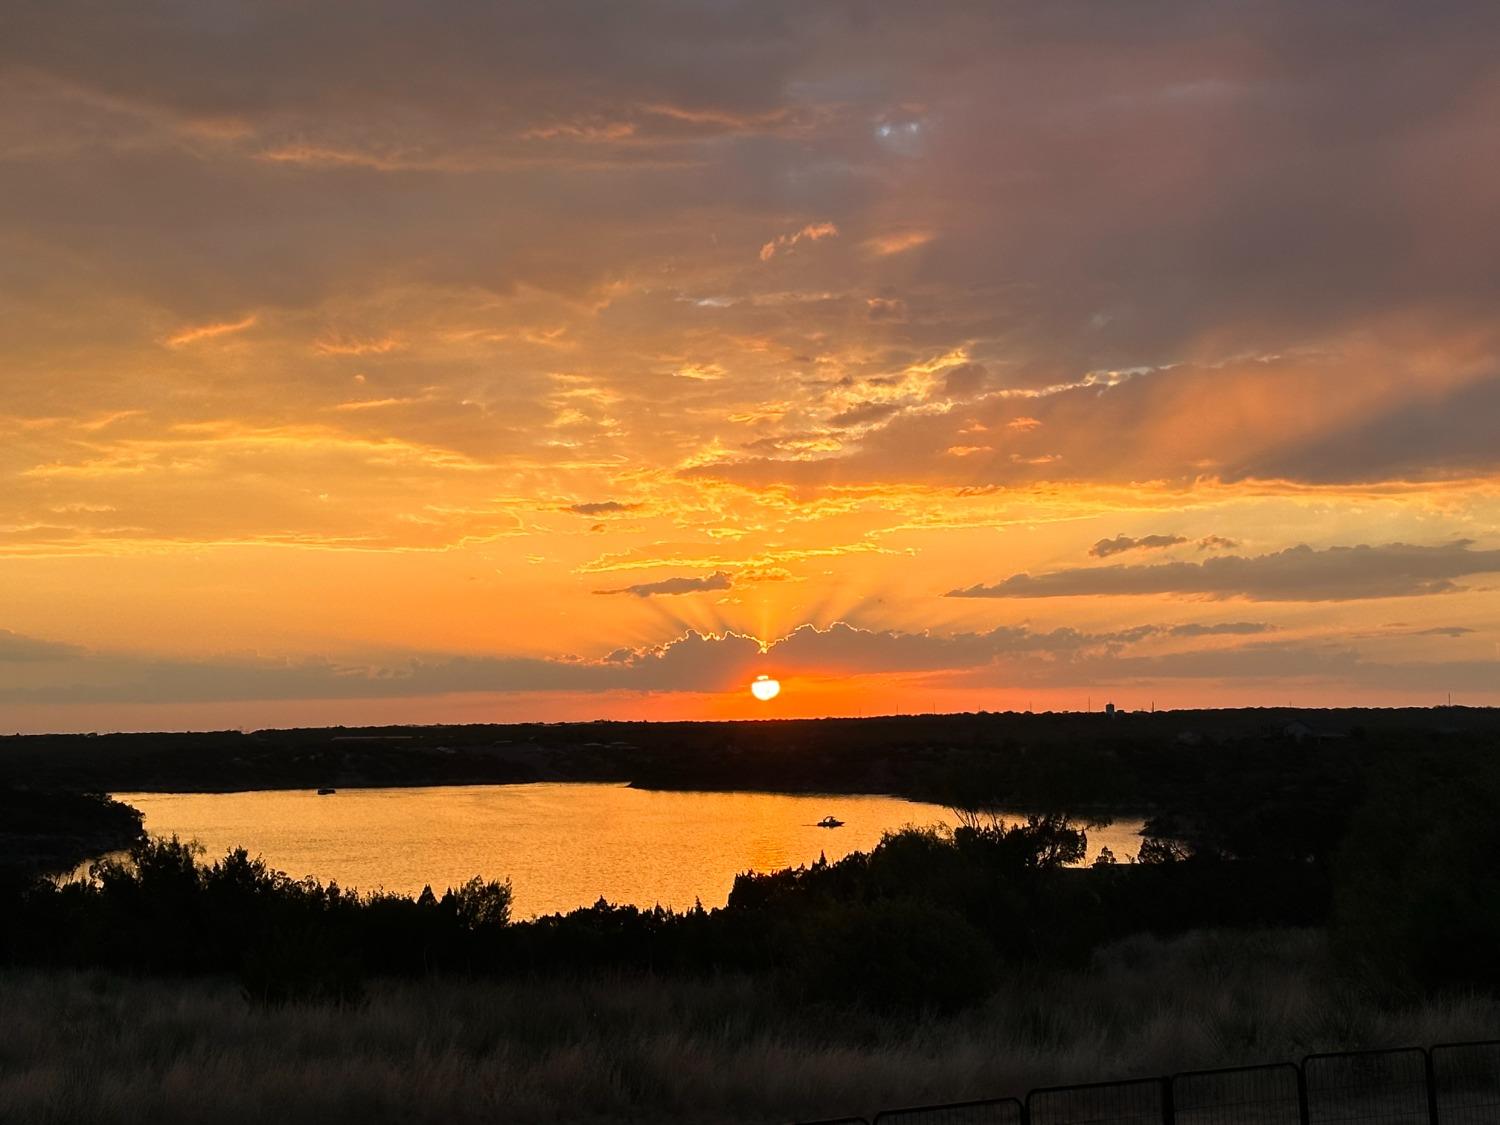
<point x="924" y="919"/>
<point x="1124" y="762"/>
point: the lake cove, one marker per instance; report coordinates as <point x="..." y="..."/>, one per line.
<point x="562" y="845"/>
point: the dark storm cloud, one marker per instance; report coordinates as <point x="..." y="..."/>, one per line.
<point x="719" y="580"/>
<point x="1297" y="574"/>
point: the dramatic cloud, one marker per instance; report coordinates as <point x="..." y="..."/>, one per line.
<point x="299" y="358"/>
<point x="1295" y="574"/>
<point x="1170" y="425"/>
<point x="720" y="580"/>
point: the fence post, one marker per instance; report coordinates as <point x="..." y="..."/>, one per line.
<point x="1432" y="1093"/>
<point x="1304" y="1115"/>
<point x="1168" y="1108"/>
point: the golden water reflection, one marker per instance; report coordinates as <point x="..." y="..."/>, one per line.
<point x="563" y="845"/>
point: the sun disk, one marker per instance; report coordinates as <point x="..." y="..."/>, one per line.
<point x="764" y="688"/>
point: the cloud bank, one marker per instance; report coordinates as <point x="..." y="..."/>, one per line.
<point x="1300" y="573"/>
<point x="1006" y="656"/>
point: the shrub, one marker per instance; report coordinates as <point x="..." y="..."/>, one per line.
<point x="1418" y="888"/>
<point x="893" y="955"/>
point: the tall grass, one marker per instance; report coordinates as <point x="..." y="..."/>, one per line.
<point x="90" y="1047"/>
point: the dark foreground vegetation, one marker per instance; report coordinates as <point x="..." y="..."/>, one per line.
<point x="1377" y="848"/>
<point x="112" y="1049"/>
<point x="1394" y="854"/>
<point x="925" y="920"/>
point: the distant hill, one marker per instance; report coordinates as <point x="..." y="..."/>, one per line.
<point x="1126" y="760"/>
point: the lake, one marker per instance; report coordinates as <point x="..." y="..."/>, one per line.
<point x="562" y="845"/>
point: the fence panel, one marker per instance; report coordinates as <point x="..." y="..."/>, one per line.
<point x="992" y="1111"/>
<point x="1466" y="1080"/>
<point x="1139" y="1102"/>
<point x="1367" y="1088"/>
<point x="1239" y="1095"/>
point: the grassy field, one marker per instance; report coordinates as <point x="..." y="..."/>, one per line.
<point x="88" y="1047"/>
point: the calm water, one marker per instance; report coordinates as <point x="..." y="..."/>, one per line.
<point x="561" y="845"/>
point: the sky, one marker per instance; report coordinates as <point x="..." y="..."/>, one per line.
<point x="570" y="360"/>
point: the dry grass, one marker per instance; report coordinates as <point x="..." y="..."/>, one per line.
<point x="81" y="1047"/>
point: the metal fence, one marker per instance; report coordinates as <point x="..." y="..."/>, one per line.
<point x="1449" y="1084"/>
<point x="1368" y="1088"/>
<point x="991" y="1111"/>
<point x="1241" y="1095"/>
<point x="1143" y="1101"/>
<point x="1466" y="1082"/>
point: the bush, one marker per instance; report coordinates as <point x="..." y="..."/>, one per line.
<point x="1418" y="882"/>
<point x="300" y="965"/>
<point x="894" y="955"/>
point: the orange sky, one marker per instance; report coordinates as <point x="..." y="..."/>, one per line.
<point x="567" y="362"/>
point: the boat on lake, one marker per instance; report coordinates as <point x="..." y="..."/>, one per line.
<point x="327" y="791"/>
<point x="829" y="822"/>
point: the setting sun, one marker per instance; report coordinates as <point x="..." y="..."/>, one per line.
<point x="765" y="689"/>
